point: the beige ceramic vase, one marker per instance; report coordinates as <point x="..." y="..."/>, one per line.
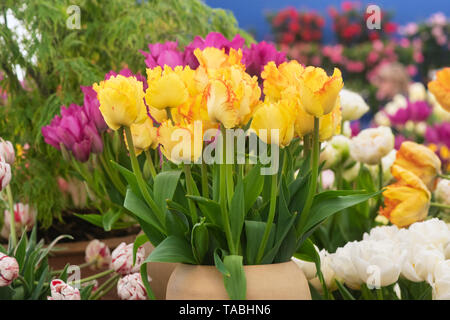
<point x="281" y="281"/>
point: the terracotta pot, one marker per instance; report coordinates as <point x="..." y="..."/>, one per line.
<point x="281" y="281"/>
<point x="73" y="253"/>
<point x="160" y="273"/>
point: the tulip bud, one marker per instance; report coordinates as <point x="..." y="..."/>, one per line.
<point x="7" y="151"/>
<point x="352" y="104"/>
<point x="5" y="173"/>
<point x="351" y="173"/>
<point x="62" y="291"/>
<point x="9" y="270"/>
<point x="417" y="92"/>
<point x="98" y="252"/>
<point x="122" y="259"/>
<point x="24" y="215"/>
<point x="131" y="287"/>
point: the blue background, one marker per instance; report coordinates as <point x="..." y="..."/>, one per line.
<point x="250" y="14"/>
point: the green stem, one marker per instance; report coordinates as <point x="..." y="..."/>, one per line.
<point x="12" y="219"/>
<point x="439" y="205"/>
<point x="81" y="266"/>
<point x="190" y="191"/>
<point x="444" y="176"/>
<point x="114" y="178"/>
<point x="379" y="294"/>
<point x="140" y="180"/>
<point x="95" y="276"/>
<point x="24" y="282"/>
<point x="105" y="287"/>
<point x="169" y="115"/>
<point x="205" y="187"/>
<point x="313" y="182"/>
<point x="150" y="164"/>
<point x="270" y="218"/>
<point x="223" y="197"/>
<point x="380" y="175"/>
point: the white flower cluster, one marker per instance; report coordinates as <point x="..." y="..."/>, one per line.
<point x="419" y="253"/>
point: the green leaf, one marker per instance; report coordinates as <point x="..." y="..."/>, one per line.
<point x="129" y="176"/>
<point x="344" y="292"/>
<point x="285" y="221"/>
<point x="308" y="252"/>
<point x="139" y="208"/>
<point x="328" y="203"/>
<point x="95" y="219"/>
<point x="146" y="283"/>
<point x="236" y="283"/>
<point x="254" y="231"/>
<point x="200" y="240"/>
<point x="237" y="212"/>
<point x="139" y="241"/>
<point x="219" y="263"/>
<point x="177" y="224"/>
<point x="209" y="208"/>
<point x="253" y="186"/>
<point x="110" y="218"/>
<point x="20" y="251"/>
<point x="165" y="186"/>
<point x="172" y="249"/>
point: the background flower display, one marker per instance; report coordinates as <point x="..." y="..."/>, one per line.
<point x="291" y="26"/>
<point x="433" y="36"/>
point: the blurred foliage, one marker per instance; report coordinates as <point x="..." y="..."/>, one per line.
<point x="57" y="60"/>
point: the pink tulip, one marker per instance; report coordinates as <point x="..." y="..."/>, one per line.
<point x="9" y="270"/>
<point x="62" y="291"/>
<point x="7" y="151"/>
<point x="99" y="252"/>
<point x="5" y="173"/>
<point x="25" y="217"/>
<point x="131" y="287"/>
<point x="122" y="259"/>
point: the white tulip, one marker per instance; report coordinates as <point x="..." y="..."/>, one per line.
<point x="417" y="92"/>
<point x="382" y="233"/>
<point x="442" y="193"/>
<point x="432" y="232"/>
<point x="329" y="155"/>
<point x="378" y="263"/>
<point x="420" y="262"/>
<point x="342" y="264"/>
<point x="310" y="271"/>
<point x="441" y="284"/>
<point x="5" y="173"/>
<point x="371" y="145"/>
<point x="353" y="105"/>
<point x="7" y="151"/>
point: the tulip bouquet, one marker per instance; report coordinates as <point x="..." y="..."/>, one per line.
<point x="228" y="194"/>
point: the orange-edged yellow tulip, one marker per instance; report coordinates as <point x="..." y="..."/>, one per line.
<point x="406" y="201"/>
<point x="181" y="143"/>
<point x="274" y="115"/>
<point x="329" y="125"/>
<point x="231" y="97"/>
<point x="168" y="88"/>
<point x="213" y="61"/>
<point x="144" y="135"/>
<point x="441" y="88"/>
<point x="420" y="160"/>
<point x="278" y="79"/>
<point x="318" y="92"/>
<point x="121" y="101"/>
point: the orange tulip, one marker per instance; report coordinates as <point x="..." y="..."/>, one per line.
<point x="441" y="88"/>
<point x="420" y="160"/>
<point x="406" y="201"/>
